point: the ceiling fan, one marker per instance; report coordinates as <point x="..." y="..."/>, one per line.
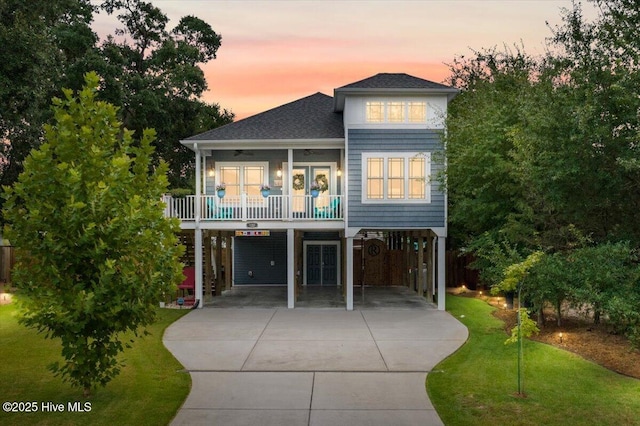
<point x="242" y="152"/>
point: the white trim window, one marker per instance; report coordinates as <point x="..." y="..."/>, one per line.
<point x="417" y="112"/>
<point x="375" y="112"/>
<point x="245" y="177"/>
<point x="396" y="111"/>
<point x="396" y="177"/>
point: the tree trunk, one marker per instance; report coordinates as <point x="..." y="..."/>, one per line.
<point x="541" y="316"/>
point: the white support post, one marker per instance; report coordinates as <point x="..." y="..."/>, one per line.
<point x="198" y="261"/>
<point x="291" y="273"/>
<point x="349" y="272"/>
<point x="434" y="259"/>
<point x="198" y="232"/>
<point x="441" y="273"/>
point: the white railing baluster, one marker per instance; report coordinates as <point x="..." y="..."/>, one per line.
<point x="244" y="207"/>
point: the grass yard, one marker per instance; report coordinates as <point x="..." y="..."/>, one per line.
<point x="477" y="384"/>
<point x="148" y="391"/>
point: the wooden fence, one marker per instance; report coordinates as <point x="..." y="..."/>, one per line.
<point x="7" y="259"/>
<point x="459" y="272"/>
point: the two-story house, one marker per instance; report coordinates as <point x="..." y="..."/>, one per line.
<point x="339" y="169"/>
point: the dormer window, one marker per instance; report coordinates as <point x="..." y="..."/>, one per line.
<point x="396" y="111"/>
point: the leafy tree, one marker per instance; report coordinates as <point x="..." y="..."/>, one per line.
<point x="543" y="152"/>
<point x="41" y="41"/>
<point x="551" y="281"/>
<point x="603" y="272"/>
<point x="94" y="252"/>
<point x="482" y="181"/>
<point x="154" y="74"/>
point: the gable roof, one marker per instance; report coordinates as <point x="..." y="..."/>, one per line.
<point x="311" y="117"/>
<point x="391" y="84"/>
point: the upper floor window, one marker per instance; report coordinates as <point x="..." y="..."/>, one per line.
<point x="396" y="112"/>
<point x="417" y="112"/>
<point x="375" y="112"/>
<point x="396" y="177"/>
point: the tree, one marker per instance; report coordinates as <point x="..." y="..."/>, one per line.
<point x="515" y="277"/>
<point x="41" y="41"/>
<point x="489" y="211"/>
<point x="598" y="75"/>
<point x="543" y="152"/>
<point x="94" y="252"/>
<point x="154" y="74"/>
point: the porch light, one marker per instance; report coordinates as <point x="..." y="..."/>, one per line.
<point x="212" y="172"/>
<point x="279" y="172"/>
<point x="339" y="172"/>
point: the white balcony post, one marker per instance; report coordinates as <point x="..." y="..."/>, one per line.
<point x="198" y="182"/>
<point x="289" y="181"/>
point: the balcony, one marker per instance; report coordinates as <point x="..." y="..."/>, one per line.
<point x="252" y="208"/>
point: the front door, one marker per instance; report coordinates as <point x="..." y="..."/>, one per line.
<point x="321" y="264"/>
<point x="304" y="174"/>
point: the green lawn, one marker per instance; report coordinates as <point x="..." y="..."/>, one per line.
<point x="149" y="390"/>
<point x="477" y="384"/>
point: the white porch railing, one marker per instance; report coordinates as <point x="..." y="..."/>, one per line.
<point x="245" y="207"/>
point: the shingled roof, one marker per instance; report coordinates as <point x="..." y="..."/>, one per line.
<point x="391" y="84"/>
<point x="394" y="81"/>
<point x="312" y="117"/>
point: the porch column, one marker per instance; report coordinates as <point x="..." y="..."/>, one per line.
<point x="198" y="185"/>
<point x="289" y="181"/>
<point x="420" y="262"/>
<point x="291" y="272"/>
<point x="219" y="263"/>
<point x="227" y="262"/>
<point x="349" y="272"/>
<point x="198" y="232"/>
<point x="208" y="267"/>
<point x="430" y="267"/>
<point x="441" y="273"/>
<point x="198" y="265"/>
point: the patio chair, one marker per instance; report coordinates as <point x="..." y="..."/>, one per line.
<point x="332" y="211"/>
<point x="216" y="212"/>
<point x="189" y="283"/>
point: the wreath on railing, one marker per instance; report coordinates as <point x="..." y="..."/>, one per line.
<point x="323" y="182"/>
<point x="298" y="181"/>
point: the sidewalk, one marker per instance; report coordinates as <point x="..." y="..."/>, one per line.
<point x="311" y="366"/>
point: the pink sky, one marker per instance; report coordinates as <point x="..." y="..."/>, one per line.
<point x="277" y="51"/>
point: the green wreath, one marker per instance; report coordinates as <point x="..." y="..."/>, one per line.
<point x="323" y="182"/>
<point x="298" y="181"/>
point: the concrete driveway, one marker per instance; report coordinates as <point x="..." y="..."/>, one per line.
<point x="311" y="366"/>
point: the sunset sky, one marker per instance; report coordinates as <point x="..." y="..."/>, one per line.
<point x="274" y="52"/>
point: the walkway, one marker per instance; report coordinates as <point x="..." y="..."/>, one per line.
<point x="310" y="366"/>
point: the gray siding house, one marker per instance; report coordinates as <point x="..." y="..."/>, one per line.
<point x="299" y="192"/>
